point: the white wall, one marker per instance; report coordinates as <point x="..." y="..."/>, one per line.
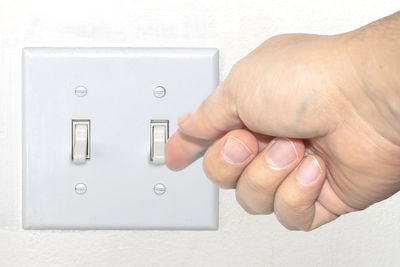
<point x="369" y="238"/>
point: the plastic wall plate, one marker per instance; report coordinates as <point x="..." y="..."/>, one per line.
<point x="118" y="187"/>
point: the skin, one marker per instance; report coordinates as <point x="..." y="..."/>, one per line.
<point x="331" y="103"/>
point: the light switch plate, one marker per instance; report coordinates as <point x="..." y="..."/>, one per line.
<point x="114" y="88"/>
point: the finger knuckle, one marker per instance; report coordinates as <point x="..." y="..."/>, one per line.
<point x="238" y="74"/>
<point x="295" y="226"/>
<point x="257" y="184"/>
<point x="293" y="203"/>
<point x="215" y="175"/>
<point x="238" y="68"/>
<point x="290" y="227"/>
<point x="244" y="206"/>
<point x="279" y="37"/>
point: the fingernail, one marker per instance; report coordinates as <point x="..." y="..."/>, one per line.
<point x="281" y="152"/>
<point x="308" y="171"/>
<point x="235" y="151"/>
<point x="184" y="117"/>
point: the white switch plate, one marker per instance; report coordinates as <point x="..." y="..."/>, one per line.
<point x="120" y="190"/>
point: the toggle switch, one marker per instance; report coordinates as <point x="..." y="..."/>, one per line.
<point x="80" y="141"/>
<point x="158" y="138"/>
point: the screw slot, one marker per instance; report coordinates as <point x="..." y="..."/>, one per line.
<point x="159" y="92"/>
<point x="81" y="91"/>
<point x="159" y="189"/>
<point x="80" y="188"/>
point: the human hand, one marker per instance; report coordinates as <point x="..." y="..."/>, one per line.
<point x="305" y="126"/>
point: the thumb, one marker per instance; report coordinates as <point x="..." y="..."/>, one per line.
<point x="215" y="116"/>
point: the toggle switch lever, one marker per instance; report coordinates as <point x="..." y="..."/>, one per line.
<point x="80" y="141"/>
<point x="158" y="138"/>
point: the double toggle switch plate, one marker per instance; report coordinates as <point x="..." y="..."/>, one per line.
<point x="96" y="121"/>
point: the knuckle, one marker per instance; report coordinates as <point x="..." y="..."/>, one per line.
<point x="298" y="228"/>
<point x="249" y="211"/>
<point x="305" y="227"/>
<point x="238" y="75"/>
<point x="294" y="204"/>
<point x="293" y="226"/>
<point x="285" y="224"/>
<point x="280" y="40"/>
<point x="253" y="202"/>
<point x="290" y="227"/>
<point x="206" y="163"/>
<point x="279" y="37"/>
<point x="257" y="184"/>
<point x="215" y="175"/>
<point x="298" y="212"/>
<point x="224" y="184"/>
<point x="244" y="206"/>
<point x="238" y="67"/>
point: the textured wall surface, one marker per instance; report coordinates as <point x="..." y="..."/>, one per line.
<point x="368" y="238"/>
